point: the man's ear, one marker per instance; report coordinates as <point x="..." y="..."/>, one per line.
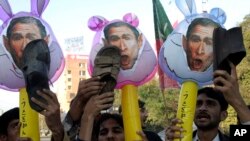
<point x="46" y="38"/>
<point x="140" y="40"/>
<point x="6" y="43"/>
<point x="184" y="42"/>
<point x="223" y="115"/>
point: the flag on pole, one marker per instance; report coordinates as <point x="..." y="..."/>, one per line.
<point x="163" y="28"/>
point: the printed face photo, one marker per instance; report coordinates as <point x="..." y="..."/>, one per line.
<point x="20" y="32"/>
<point x="127" y="38"/>
<point x="198" y="44"/>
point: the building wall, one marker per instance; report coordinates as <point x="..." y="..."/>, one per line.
<point x="75" y="70"/>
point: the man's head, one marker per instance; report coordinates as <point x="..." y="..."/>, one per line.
<point x="127" y="38"/>
<point x="20" y="32"/>
<point x="9" y="125"/>
<point x="109" y="127"/>
<point x="198" y="43"/>
<point x="211" y="109"/>
<point x="143" y="113"/>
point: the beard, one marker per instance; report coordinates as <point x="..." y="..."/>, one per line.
<point x="209" y="126"/>
<point x="209" y="122"/>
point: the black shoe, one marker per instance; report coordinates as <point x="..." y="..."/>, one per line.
<point x="227" y="46"/>
<point x="35" y="67"/>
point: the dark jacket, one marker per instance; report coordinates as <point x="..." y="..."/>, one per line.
<point x="152" y="136"/>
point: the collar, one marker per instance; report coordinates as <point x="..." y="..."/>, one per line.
<point x="216" y="138"/>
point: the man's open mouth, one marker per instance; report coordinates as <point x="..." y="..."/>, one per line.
<point x="197" y="64"/>
<point x="124" y="60"/>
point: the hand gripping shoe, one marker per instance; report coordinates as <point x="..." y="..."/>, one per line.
<point x="35" y="67"/>
<point x="107" y="66"/>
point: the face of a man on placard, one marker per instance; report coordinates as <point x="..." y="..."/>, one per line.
<point x="199" y="46"/>
<point x="20" y="33"/>
<point x="125" y="38"/>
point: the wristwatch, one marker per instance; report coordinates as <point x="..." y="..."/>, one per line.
<point x="70" y="127"/>
<point x="78" y="139"/>
<point x="68" y="122"/>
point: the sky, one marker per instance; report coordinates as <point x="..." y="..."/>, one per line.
<point x="69" y="18"/>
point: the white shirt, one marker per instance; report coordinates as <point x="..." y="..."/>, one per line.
<point x="216" y="138"/>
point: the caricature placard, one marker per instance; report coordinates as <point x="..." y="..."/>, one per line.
<point x="138" y="63"/>
<point x="138" y="60"/>
<point x="16" y="32"/>
<point x="187" y="54"/>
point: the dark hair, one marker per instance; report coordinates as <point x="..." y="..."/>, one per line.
<point x="140" y="102"/>
<point x="26" y="20"/>
<point x="103" y="117"/>
<point x="211" y="93"/>
<point x="200" y="21"/>
<point x="6" y="118"/>
<point x="119" y="24"/>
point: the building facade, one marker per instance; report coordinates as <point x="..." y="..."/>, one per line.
<point x="75" y="70"/>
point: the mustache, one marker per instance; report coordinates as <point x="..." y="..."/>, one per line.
<point x="198" y="60"/>
<point x="202" y="114"/>
<point x="124" y="55"/>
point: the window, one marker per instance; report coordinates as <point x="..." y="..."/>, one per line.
<point x="81" y="79"/>
<point x="82" y="65"/>
<point x="69" y="79"/>
<point x="81" y="72"/>
<point x="69" y="71"/>
<point x="69" y="87"/>
<point x="72" y="95"/>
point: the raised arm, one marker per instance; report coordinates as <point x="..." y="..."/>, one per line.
<point x="92" y="109"/>
<point x="51" y="113"/>
<point x="229" y="86"/>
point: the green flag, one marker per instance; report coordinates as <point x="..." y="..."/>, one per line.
<point x="163" y="28"/>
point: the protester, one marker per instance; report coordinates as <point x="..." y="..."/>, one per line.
<point x="52" y="114"/>
<point x="10" y="124"/>
<point x="110" y="127"/>
<point x="86" y="89"/>
<point x="211" y="108"/>
<point x="238" y="119"/>
<point x="151" y="136"/>
<point x="102" y="127"/>
<point x="143" y="113"/>
<point x="93" y="108"/>
<point x="85" y="111"/>
<point x="229" y="86"/>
